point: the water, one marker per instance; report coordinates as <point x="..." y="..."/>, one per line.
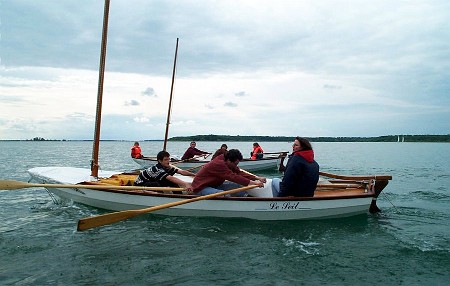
<point x="406" y="244"/>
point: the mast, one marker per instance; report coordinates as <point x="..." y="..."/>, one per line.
<point x="170" y="100"/>
<point x="98" y="116"/>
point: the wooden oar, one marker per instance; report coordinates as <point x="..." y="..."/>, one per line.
<point x="96" y="221"/>
<point x="282" y="152"/>
<point x="339" y="186"/>
<point x="193" y="168"/>
<point x="13" y="185"/>
<point x="247" y="172"/>
<point x="330" y="175"/>
<point x="186" y="160"/>
<point x="332" y="186"/>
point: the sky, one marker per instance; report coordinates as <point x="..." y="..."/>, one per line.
<point x="314" y="68"/>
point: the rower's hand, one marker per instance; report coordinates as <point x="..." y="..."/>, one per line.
<point x="262" y="179"/>
<point x="258" y="183"/>
<point x="188" y="188"/>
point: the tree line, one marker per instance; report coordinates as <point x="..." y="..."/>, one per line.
<point x="387" y="138"/>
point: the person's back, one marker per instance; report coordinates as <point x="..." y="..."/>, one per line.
<point x="162" y="174"/>
<point x="222" y="173"/>
<point x="222" y="150"/>
<point x="136" y="151"/>
<point x="155" y="176"/>
<point x="301" y="173"/>
<point x="300" y="178"/>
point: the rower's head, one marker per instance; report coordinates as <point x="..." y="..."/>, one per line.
<point x="233" y="156"/>
<point x="163" y="158"/>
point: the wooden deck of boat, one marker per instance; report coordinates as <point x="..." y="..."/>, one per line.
<point x="338" y="189"/>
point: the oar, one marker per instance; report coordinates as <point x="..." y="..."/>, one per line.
<point x="330" y="175"/>
<point x="271" y="153"/>
<point x="339" y="186"/>
<point x="96" y="221"/>
<point x="333" y="185"/>
<point x="247" y="172"/>
<point x="13" y="185"/>
<point x="186" y="160"/>
<point x="196" y="167"/>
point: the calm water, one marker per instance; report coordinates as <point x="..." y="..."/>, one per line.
<point x="407" y="244"/>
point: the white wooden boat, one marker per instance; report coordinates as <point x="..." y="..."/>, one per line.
<point x="340" y="197"/>
<point x="270" y="161"/>
<point x="343" y="196"/>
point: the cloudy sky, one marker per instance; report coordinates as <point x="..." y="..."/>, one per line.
<point x="282" y="68"/>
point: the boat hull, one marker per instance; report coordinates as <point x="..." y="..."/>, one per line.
<point x="258" y="208"/>
<point x="248" y="165"/>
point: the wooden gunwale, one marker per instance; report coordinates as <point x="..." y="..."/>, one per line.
<point x="318" y="195"/>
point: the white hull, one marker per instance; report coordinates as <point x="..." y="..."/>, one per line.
<point x="248" y="165"/>
<point x="259" y="208"/>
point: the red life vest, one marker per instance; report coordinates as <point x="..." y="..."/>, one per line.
<point x="256" y="150"/>
<point x="136" y="152"/>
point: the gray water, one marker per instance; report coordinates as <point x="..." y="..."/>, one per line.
<point x="406" y="244"/>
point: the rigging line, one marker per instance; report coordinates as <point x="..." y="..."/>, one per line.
<point x="386" y="197"/>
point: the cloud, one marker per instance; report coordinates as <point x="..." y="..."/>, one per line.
<point x="241" y="93"/>
<point x="230" y="104"/>
<point x="149" y="92"/>
<point x="331" y="86"/>
<point x="335" y="69"/>
<point x="132" y="103"/>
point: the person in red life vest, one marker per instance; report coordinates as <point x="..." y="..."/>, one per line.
<point x="223" y="149"/>
<point x="192" y="151"/>
<point x="301" y="173"/>
<point x="136" y="151"/>
<point x="257" y="152"/>
<point x="222" y="174"/>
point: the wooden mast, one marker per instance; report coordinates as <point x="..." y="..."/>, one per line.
<point x="98" y="116"/>
<point x="170" y="100"/>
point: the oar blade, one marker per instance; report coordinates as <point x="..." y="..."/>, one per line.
<point x="109" y="218"/>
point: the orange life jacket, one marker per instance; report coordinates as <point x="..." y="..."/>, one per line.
<point x="136" y="152"/>
<point x="256" y="150"/>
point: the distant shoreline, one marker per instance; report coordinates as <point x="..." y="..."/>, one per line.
<point x="231" y="138"/>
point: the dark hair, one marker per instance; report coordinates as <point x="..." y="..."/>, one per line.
<point x="136" y="143"/>
<point x="162" y="154"/>
<point x="232" y="155"/>
<point x="224" y="145"/>
<point x="255" y="144"/>
<point x="304" y="143"/>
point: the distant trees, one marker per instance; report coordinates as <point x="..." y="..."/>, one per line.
<point x="43" y="139"/>
<point x="387" y="138"/>
<point x="38" y="139"/>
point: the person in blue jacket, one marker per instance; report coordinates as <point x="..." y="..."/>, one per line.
<point x="301" y="173"/>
